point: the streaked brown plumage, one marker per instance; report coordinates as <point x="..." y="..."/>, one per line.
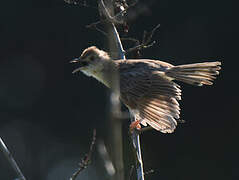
<point x="146" y="86"/>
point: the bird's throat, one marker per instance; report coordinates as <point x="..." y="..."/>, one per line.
<point x="104" y="74"/>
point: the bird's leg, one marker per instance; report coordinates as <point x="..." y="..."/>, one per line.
<point x="135" y="125"/>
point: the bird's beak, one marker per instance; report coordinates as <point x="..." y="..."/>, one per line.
<point x="75" y="60"/>
<point x="81" y="63"/>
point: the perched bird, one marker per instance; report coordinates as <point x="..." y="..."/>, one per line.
<point x="147" y="86"/>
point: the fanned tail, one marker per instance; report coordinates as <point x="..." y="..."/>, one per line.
<point x="196" y="74"/>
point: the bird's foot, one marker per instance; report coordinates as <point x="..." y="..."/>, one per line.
<point x="135" y="125"/>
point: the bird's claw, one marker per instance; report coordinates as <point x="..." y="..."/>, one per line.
<point x="135" y="126"/>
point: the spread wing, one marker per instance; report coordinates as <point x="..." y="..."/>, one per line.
<point x="149" y="94"/>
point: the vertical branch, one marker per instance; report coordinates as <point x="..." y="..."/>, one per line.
<point x="135" y="135"/>
<point x="116" y="105"/>
<point x="11" y="160"/>
<point x="121" y="51"/>
<point x="115" y="121"/>
<point x="139" y="160"/>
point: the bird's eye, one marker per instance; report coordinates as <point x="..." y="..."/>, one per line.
<point x="92" y="58"/>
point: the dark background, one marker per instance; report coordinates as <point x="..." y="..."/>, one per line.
<point x="47" y="114"/>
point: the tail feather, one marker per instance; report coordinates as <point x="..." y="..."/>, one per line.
<point x="196" y="74"/>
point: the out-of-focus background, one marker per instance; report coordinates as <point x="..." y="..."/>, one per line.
<point x="47" y="114"/>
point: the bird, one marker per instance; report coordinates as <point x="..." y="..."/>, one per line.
<point x="147" y="87"/>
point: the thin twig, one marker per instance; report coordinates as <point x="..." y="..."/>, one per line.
<point x="151" y="34"/>
<point x="77" y="2"/>
<point x="11" y="160"/>
<point x="110" y="18"/>
<point x="140" y="47"/>
<point x="98" y="29"/>
<point x="101" y="31"/>
<point x="146" y="41"/>
<point x="136" y="41"/>
<point x="87" y="158"/>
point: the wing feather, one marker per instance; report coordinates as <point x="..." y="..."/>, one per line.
<point x="144" y="88"/>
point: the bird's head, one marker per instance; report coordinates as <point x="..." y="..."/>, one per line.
<point x="91" y="61"/>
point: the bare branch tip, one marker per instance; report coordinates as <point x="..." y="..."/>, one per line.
<point x="86" y="160"/>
